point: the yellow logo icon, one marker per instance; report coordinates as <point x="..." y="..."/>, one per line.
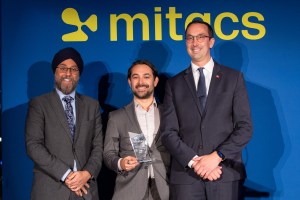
<point x="70" y="16"/>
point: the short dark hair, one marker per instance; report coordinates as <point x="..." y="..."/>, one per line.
<point x="145" y="62"/>
<point x="197" y="21"/>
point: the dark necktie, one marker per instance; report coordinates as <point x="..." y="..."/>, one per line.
<point x="201" y="90"/>
<point x="70" y="114"/>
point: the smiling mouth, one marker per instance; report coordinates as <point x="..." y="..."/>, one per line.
<point x="196" y="49"/>
<point x="67" y="79"/>
<point x="141" y="88"/>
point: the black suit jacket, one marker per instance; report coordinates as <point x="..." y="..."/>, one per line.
<point x="224" y="125"/>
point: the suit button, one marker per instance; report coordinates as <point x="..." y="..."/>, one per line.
<point x="200" y="147"/>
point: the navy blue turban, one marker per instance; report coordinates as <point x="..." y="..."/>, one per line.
<point x="67" y="53"/>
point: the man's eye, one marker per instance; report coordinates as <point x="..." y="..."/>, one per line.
<point x="74" y="69"/>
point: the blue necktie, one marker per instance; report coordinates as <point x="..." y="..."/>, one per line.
<point x="201" y="90"/>
<point x="70" y="114"/>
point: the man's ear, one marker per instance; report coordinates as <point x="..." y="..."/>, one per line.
<point x="156" y="80"/>
<point x="129" y="82"/>
<point x="211" y="42"/>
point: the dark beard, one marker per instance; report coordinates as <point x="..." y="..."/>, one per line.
<point x="66" y="89"/>
<point x="144" y="96"/>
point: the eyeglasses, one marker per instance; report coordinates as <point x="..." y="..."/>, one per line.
<point x="73" y="70"/>
<point x="199" y="38"/>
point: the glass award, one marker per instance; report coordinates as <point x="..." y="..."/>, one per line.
<point x="140" y="147"/>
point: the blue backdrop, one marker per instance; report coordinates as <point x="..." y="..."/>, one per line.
<point x="259" y="38"/>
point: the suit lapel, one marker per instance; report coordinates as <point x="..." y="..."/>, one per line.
<point x="189" y="78"/>
<point x="214" y="84"/>
<point x="79" y="105"/>
<point x="130" y="111"/>
<point x="59" y="111"/>
<point x="157" y="121"/>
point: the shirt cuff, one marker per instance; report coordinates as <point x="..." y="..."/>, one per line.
<point x="119" y="165"/>
<point x="65" y="175"/>
<point x="190" y="164"/>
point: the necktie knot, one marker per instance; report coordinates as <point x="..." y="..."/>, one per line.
<point x="68" y="99"/>
<point x="201" y="83"/>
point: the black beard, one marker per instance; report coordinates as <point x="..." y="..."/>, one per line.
<point x="144" y="96"/>
<point x="141" y="85"/>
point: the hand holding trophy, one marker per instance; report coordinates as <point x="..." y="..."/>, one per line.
<point x="140" y="147"/>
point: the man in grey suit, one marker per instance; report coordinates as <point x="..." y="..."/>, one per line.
<point x="138" y="181"/>
<point x="64" y="136"/>
<point x="206" y="123"/>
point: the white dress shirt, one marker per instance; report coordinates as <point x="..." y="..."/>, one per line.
<point x="207" y="71"/>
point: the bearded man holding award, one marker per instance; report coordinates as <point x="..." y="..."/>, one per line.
<point x="133" y="148"/>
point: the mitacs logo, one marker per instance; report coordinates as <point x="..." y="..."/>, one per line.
<point x="150" y="26"/>
<point x="70" y="16"/>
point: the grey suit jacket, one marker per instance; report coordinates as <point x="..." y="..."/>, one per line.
<point x="133" y="184"/>
<point x="224" y="125"/>
<point x="49" y="144"/>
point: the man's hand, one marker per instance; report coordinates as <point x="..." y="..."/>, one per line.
<point x="77" y="182"/>
<point x="215" y="174"/>
<point x="205" y="165"/>
<point x="128" y="163"/>
<point x="82" y="190"/>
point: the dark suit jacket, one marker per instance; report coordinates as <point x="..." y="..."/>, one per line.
<point x="49" y="144"/>
<point x="224" y="125"/>
<point x="133" y="184"/>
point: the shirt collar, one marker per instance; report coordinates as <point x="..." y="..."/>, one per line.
<point x="62" y="95"/>
<point x="208" y="66"/>
<point x="137" y="105"/>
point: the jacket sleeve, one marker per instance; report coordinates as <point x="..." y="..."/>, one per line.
<point x="112" y="145"/>
<point x="35" y="143"/>
<point x="242" y="123"/>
